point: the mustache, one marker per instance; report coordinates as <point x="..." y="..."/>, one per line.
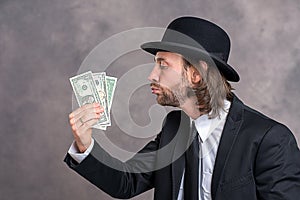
<point x="158" y="86"/>
<point x="155" y="85"/>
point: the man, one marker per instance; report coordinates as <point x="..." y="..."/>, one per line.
<point x="215" y="148"/>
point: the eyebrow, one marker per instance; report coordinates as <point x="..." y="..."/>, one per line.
<point x="157" y="59"/>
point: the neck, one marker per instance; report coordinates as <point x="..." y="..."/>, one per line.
<point x="190" y="108"/>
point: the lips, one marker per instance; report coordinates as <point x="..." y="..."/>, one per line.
<point x="155" y="91"/>
<point x="155" y="88"/>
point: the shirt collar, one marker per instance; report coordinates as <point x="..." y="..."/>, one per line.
<point x="206" y="126"/>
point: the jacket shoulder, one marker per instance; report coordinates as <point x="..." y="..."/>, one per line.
<point x="258" y="117"/>
<point x="254" y="124"/>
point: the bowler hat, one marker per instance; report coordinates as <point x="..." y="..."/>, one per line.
<point x="196" y="38"/>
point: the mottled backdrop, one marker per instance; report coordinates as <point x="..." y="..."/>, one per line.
<point x="43" y="43"/>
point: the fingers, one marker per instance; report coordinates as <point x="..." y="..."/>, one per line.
<point x="85" y="120"/>
<point x="85" y="114"/>
<point x="87" y="125"/>
<point x="81" y="121"/>
<point x="83" y="108"/>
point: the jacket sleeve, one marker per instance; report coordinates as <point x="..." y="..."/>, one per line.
<point x="277" y="166"/>
<point x="118" y="179"/>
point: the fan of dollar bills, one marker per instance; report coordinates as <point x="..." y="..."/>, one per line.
<point x="95" y="88"/>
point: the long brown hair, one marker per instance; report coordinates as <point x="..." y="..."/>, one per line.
<point x="213" y="88"/>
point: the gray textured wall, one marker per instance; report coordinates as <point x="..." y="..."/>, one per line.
<point x="42" y="44"/>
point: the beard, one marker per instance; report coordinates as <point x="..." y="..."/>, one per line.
<point x="167" y="97"/>
<point x="175" y="96"/>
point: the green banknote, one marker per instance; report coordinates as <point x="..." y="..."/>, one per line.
<point x="85" y="91"/>
<point x="109" y="86"/>
<point x="95" y="87"/>
<point x="111" y="83"/>
<point x="100" y="82"/>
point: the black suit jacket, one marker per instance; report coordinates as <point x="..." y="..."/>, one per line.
<point x="257" y="158"/>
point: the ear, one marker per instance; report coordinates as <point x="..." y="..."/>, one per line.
<point x="194" y="75"/>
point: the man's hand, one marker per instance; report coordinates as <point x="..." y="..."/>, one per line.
<point x="81" y="121"/>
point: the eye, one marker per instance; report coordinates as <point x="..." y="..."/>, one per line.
<point x="163" y="67"/>
<point x="162" y="64"/>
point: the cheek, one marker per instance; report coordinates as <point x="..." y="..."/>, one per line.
<point x="170" y="79"/>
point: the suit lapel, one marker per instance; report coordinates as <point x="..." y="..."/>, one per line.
<point x="182" y="143"/>
<point x="177" y="172"/>
<point x="230" y="131"/>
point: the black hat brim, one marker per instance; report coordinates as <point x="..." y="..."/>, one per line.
<point x="188" y="51"/>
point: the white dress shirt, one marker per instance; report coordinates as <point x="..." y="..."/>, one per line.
<point x="79" y="157"/>
<point x="210" y="131"/>
<point x="209" y="134"/>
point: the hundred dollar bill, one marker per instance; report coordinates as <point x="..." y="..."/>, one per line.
<point x="85" y="91"/>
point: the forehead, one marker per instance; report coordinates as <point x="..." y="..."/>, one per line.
<point x="168" y="56"/>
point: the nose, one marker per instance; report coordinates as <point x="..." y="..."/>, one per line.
<point x="154" y="75"/>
